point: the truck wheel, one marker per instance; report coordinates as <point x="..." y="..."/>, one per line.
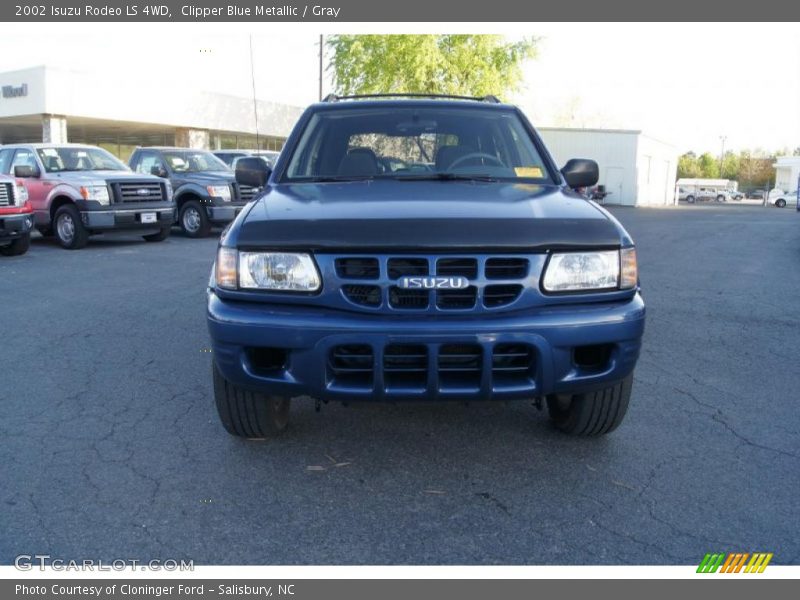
<point x="593" y="413"/>
<point x="249" y="414"/>
<point x="720" y="198"/>
<point x="690" y="199"/>
<point x="780" y="203"/>
<point x="158" y="237"/>
<point x="69" y="229"/>
<point x="17" y="247"/>
<point x="194" y="220"/>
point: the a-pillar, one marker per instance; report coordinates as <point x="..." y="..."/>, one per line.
<point x="54" y="129"/>
<point x="192" y="138"/>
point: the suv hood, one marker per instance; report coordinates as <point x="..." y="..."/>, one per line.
<point x="425" y="215"/>
<point x="88" y="177"/>
<point x="207" y="178"/>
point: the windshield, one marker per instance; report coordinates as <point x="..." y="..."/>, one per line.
<point x="57" y="160"/>
<point x="416" y="143"/>
<point x="193" y="161"/>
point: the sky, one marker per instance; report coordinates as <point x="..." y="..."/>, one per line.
<point x="688" y="84"/>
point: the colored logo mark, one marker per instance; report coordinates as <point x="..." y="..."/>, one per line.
<point x="735" y="562"/>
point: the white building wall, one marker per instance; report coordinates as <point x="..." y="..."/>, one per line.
<point x="613" y="150"/>
<point x="787" y="170"/>
<point x="657" y="169"/>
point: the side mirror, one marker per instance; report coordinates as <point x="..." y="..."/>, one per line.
<point x="158" y="171"/>
<point x="581" y="172"/>
<point x="252" y="171"/>
<point x="25" y="171"/>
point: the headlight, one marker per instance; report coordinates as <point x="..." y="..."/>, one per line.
<point x="220" y="191"/>
<point x="98" y="193"/>
<point x="585" y="271"/>
<point x="277" y="271"/>
<point x="21" y="193"/>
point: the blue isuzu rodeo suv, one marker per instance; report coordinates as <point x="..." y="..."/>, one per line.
<point x="422" y="249"/>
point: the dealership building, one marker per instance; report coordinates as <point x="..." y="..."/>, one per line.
<point x="46" y="104"/>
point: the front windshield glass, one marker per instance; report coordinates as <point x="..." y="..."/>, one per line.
<point x="69" y="158"/>
<point x="193" y="161"/>
<point x="416" y="143"/>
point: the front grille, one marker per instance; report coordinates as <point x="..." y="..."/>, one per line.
<point x="453" y="267"/>
<point x="6" y="194"/>
<point x="371" y="281"/>
<point x="506" y="268"/>
<point x="145" y="191"/>
<point x="512" y="364"/>
<point x="357" y="268"/>
<point x="408" y="299"/>
<point x="500" y="295"/>
<point x="352" y="365"/>
<point x="399" y="267"/>
<point x="460" y="365"/>
<point x="405" y="365"/>
<point x="245" y="193"/>
<point x="365" y="295"/>
<point x="457" y="299"/>
<point x="455" y="368"/>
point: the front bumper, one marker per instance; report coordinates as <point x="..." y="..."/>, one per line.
<point x="309" y="336"/>
<point x="226" y="213"/>
<point x="127" y="218"/>
<point x="15" y="225"/>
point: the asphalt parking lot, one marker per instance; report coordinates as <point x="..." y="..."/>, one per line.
<point x="112" y="447"/>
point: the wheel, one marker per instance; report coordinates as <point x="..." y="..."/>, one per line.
<point x="158" y="237"/>
<point x="780" y="203"/>
<point x="18" y="247"/>
<point x="720" y="198"/>
<point x="249" y="414"/>
<point x="69" y="229"/>
<point x="194" y="220"/>
<point x="593" y="413"/>
<point x="690" y="199"/>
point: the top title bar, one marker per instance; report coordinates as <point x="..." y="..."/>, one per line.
<point x="458" y="11"/>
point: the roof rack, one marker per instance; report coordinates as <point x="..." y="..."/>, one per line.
<point x="335" y="98"/>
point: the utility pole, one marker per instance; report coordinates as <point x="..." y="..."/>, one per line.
<point x="722" y="154"/>
<point x="321" y="51"/>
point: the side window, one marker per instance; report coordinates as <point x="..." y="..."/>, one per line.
<point x="23" y="158"/>
<point x="146" y="162"/>
<point x="5" y="160"/>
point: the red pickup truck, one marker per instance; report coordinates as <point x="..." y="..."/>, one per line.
<point x="16" y="217"/>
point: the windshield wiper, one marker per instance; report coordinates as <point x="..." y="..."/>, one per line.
<point x="445" y="177"/>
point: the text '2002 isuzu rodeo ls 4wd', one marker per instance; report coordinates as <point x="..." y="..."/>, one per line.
<point x="422" y="249"/>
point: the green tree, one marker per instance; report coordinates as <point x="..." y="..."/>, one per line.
<point x="709" y="166"/>
<point x="474" y="65"/>
<point x="688" y="167"/>
<point x="730" y="166"/>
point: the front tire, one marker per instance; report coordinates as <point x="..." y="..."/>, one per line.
<point x="158" y="237"/>
<point x="69" y="229"/>
<point x="249" y="414"/>
<point x="18" y="247"/>
<point x="592" y="413"/>
<point x="720" y="198"/>
<point x="194" y="220"/>
<point x="690" y="199"/>
<point x="780" y="203"/>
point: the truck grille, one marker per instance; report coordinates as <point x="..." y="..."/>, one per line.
<point x="245" y="193"/>
<point x="442" y="368"/>
<point x="6" y="194"/>
<point x="144" y="191"/>
<point x="370" y="281"/>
